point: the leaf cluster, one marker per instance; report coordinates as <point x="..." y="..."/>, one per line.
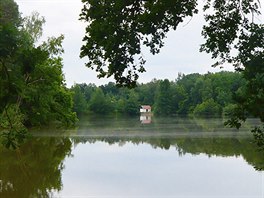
<point x="117" y="30"/>
<point x="32" y="90"/>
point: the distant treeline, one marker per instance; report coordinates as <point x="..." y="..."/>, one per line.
<point x="211" y="94"/>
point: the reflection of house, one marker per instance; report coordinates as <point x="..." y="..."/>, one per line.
<point x="145" y="116"/>
<point x="145" y="119"/>
<point x="145" y="109"/>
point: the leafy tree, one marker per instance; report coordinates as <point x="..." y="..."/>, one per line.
<point x="229" y="109"/>
<point x="246" y="36"/>
<point x="207" y="108"/>
<point x="178" y="98"/>
<point x="10" y="75"/>
<point x="163" y="100"/>
<point x="207" y="89"/>
<point x="32" y="83"/>
<point x="80" y="104"/>
<point x="131" y="106"/>
<point x="120" y="107"/>
<point x="117" y="28"/>
<point x="100" y="103"/>
<point x="110" y="89"/>
<point x="34" y="24"/>
<point x="187" y="83"/>
<point x="45" y="97"/>
<point x="9" y="40"/>
<point x="9" y="13"/>
<point x="250" y="97"/>
<point x="87" y="90"/>
<point x="146" y="92"/>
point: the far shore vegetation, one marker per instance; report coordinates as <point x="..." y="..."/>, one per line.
<point x="210" y="94"/>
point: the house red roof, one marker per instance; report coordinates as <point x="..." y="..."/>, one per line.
<point x="145" y="106"/>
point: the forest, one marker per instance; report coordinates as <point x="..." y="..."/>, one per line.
<point x="211" y="94"/>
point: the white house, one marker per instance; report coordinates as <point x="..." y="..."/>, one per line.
<point x="145" y="109"/>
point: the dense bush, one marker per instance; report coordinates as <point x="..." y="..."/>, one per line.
<point x="207" y="108"/>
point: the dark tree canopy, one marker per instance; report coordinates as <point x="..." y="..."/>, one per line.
<point x="9" y="12"/>
<point x="32" y="88"/>
<point x="117" y="30"/>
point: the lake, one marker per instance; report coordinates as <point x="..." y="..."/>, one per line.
<point x="136" y="157"/>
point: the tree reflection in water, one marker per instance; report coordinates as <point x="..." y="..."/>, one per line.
<point x="224" y="147"/>
<point x="34" y="170"/>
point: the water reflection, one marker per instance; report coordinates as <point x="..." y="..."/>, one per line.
<point x="145" y="119"/>
<point x="102" y="170"/>
<point x="37" y="169"/>
<point x="224" y="147"/>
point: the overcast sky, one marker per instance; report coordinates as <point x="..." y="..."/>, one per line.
<point x="180" y="53"/>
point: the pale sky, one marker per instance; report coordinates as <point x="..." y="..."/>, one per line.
<point x="180" y="53"/>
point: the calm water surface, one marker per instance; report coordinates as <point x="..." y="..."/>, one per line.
<point x="121" y="157"/>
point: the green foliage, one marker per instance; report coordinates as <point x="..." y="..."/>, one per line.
<point x="117" y="29"/>
<point x="163" y="99"/>
<point x="146" y="92"/>
<point x="34" y="24"/>
<point x="131" y="106"/>
<point x="9" y="13"/>
<point x="207" y="108"/>
<point x="120" y="105"/>
<point x="110" y="89"/>
<point x="230" y="27"/>
<point x="220" y="87"/>
<point x="188" y="93"/>
<point x="100" y="103"/>
<point x="31" y="79"/>
<point x="234" y="26"/>
<point x="229" y="109"/>
<point x="13" y="129"/>
<point x="250" y="97"/>
<point x="80" y="104"/>
<point x="179" y="97"/>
